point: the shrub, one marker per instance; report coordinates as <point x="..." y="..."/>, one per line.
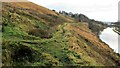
<point x="40" y="33"/>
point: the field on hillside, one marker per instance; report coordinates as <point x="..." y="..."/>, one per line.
<point x="36" y="36"/>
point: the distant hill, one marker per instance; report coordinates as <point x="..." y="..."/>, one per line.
<point x="36" y="36"/>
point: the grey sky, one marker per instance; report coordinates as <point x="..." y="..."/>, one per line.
<point x="102" y="10"/>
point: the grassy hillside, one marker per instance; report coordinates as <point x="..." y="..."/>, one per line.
<point x="95" y="26"/>
<point x="36" y="36"/>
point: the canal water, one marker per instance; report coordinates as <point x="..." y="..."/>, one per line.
<point x="110" y="37"/>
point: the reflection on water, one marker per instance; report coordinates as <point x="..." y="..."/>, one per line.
<point x="110" y="38"/>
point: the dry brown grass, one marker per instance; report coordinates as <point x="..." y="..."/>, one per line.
<point x="87" y="34"/>
<point x="33" y="6"/>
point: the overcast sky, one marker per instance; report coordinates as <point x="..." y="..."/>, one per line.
<point x="102" y="10"/>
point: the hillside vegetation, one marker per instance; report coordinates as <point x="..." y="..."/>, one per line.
<point x="95" y="26"/>
<point x="36" y="36"/>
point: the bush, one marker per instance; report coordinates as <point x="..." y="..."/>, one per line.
<point x="40" y="33"/>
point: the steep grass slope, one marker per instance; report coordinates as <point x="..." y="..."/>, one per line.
<point x="36" y="36"/>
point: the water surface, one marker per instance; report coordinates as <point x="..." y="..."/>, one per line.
<point x="110" y="37"/>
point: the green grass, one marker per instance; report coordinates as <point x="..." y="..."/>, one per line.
<point x="56" y="49"/>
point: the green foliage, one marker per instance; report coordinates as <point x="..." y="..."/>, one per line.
<point x="11" y="31"/>
<point x="41" y="25"/>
